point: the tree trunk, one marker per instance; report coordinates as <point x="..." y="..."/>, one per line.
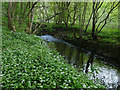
<point x="88" y="22"/>
<point x="46" y="12"/>
<point x="25" y="9"/>
<point x="9" y="16"/>
<point x="75" y="8"/>
<point x="83" y="16"/>
<point x="32" y="20"/>
<point x="14" y="8"/>
<point x="21" y="8"/>
<point x="29" y="15"/>
<point x="93" y="24"/>
<point x="80" y="31"/>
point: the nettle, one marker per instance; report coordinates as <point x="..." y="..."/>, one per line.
<point x="28" y="63"/>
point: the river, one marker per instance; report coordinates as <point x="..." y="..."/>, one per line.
<point x="83" y="60"/>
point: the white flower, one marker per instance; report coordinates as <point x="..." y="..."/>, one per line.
<point x="41" y="86"/>
<point x="62" y="72"/>
<point x="22" y="81"/>
<point x="65" y="68"/>
<point x="40" y="78"/>
<point x="1" y="75"/>
<point x="64" y="83"/>
<point x="84" y="86"/>
<point x="95" y="87"/>
<point x="35" y="82"/>
<point x="54" y="84"/>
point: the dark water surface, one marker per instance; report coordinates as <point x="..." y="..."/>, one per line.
<point x="83" y="60"/>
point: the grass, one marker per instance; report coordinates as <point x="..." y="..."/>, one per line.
<point x="27" y="62"/>
<point x="111" y="35"/>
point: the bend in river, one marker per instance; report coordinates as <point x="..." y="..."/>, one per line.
<point x="83" y="60"/>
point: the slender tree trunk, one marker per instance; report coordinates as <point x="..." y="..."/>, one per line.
<point x="46" y="12"/>
<point x="83" y="16"/>
<point x="32" y="20"/>
<point x="75" y="7"/>
<point x="66" y="18"/>
<point x="25" y="9"/>
<point x="88" y="22"/>
<point x="20" y="13"/>
<point x="21" y="8"/>
<point x="55" y="21"/>
<point x="60" y="15"/>
<point x="119" y="18"/>
<point x="105" y="20"/>
<point x="93" y="24"/>
<point x="14" y="8"/>
<point x="29" y="15"/>
<point x="9" y="16"/>
<point x="80" y="31"/>
<point x="23" y="14"/>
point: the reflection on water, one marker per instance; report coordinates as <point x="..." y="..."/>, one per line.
<point x="90" y="61"/>
<point x="108" y="74"/>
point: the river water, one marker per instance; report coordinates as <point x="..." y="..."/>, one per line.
<point x="84" y="60"/>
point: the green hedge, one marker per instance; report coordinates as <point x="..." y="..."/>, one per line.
<point x="28" y="63"/>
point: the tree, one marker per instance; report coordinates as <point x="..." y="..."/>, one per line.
<point x="84" y="15"/>
<point x="104" y="16"/>
<point x="104" y="21"/>
<point x="50" y="17"/>
<point x="74" y="15"/>
<point x="9" y="16"/>
<point x="32" y="20"/>
<point x="93" y="24"/>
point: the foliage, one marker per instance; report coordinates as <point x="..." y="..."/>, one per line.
<point x="110" y="35"/>
<point x="28" y="63"/>
<point x="49" y="27"/>
<point x="63" y="13"/>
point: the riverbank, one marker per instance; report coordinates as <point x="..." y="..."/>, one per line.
<point x="108" y="50"/>
<point x="84" y="60"/>
<point x="27" y="62"/>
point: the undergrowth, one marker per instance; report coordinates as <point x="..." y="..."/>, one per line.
<point x="27" y="62"/>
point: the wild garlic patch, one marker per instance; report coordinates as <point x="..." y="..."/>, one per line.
<point x="28" y="63"/>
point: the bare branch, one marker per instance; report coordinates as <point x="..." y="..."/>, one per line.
<point x="54" y="15"/>
<point x="88" y="21"/>
<point x="58" y="13"/>
<point x="31" y="9"/>
<point x="25" y="9"/>
<point x="108" y="16"/>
